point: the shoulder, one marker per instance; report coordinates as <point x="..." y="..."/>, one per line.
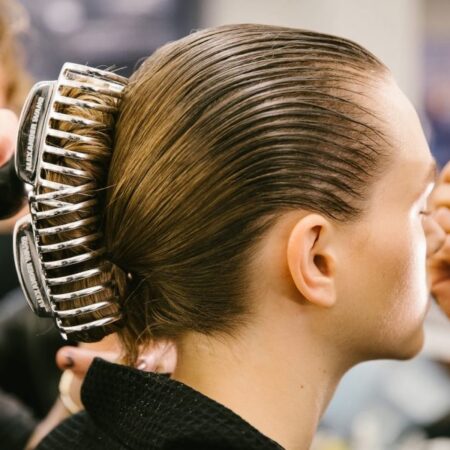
<point x="80" y="433"/>
<point x="131" y="409"/>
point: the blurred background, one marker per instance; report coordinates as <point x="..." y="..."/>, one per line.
<point x="379" y="405"/>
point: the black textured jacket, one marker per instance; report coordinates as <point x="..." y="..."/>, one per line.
<point x="130" y="409"/>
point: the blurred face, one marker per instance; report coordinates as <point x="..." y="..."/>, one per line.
<point x="382" y="281"/>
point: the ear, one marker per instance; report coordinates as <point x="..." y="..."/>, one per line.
<point x="311" y="259"/>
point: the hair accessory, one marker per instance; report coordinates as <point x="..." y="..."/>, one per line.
<point x="130" y="275"/>
<point x="43" y="274"/>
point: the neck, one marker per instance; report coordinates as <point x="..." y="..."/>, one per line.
<point x="280" y="387"/>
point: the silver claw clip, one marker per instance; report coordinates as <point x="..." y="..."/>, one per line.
<point x="43" y="273"/>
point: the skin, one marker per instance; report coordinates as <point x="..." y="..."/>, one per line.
<point x="439" y="262"/>
<point x="328" y="295"/>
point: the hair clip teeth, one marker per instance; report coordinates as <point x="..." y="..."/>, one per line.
<point x="39" y="215"/>
<point x="67" y="226"/>
<point x="93" y="87"/>
<point x="68" y="101"/>
<point x="71" y="69"/>
<point x="70" y="243"/>
<point x="54" y="185"/>
<point x="74" y="312"/>
<point x="80" y="293"/>
<point x="77" y="259"/>
<point x="75" y="277"/>
<point x="53" y="203"/>
<point x="88" y="326"/>
<point x="58" y="151"/>
<point x="75" y="120"/>
<point x="69" y="136"/>
<point x="64" y="170"/>
<point x="56" y="194"/>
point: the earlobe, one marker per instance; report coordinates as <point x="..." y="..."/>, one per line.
<point x="311" y="260"/>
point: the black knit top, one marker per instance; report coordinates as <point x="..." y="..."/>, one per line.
<point x="130" y="409"/>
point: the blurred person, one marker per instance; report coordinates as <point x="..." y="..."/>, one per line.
<point x="28" y="376"/>
<point x="437" y="108"/>
<point x="14" y="85"/>
<point x="17" y="417"/>
<point x="14" y="80"/>
<point x="267" y="195"/>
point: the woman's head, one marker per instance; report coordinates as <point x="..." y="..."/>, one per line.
<point x="262" y="171"/>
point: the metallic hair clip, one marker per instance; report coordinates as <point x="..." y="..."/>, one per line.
<point x="42" y="273"/>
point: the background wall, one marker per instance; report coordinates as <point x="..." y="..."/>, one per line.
<point x="391" y="29"/>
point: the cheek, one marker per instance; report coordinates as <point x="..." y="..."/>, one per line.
<point x="385" y="291"/>
<point x="400" y="274"/>
<point x="390" y="274"/>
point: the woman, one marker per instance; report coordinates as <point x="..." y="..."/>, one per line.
<point x="14" y="85"/>
<point x="266" y="210"/>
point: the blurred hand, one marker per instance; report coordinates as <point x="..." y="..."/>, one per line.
<point x="8" y="134"/>
<point x="160" y="357"/>
<point x="439" y="246"/>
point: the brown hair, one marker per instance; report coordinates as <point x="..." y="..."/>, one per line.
<point x="219" y="134"/>
<point x="15" y="80"/>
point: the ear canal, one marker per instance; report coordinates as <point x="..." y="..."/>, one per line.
<point x="320" y="262"/>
